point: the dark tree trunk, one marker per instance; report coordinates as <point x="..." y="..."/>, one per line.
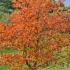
<point x="31" y="67"/>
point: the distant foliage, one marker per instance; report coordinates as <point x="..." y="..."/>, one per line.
<point x="7" y="6"/>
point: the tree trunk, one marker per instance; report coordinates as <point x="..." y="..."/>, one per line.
<point x="33" y="68"/>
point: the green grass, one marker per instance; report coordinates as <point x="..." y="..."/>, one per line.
<point x="8" y="51"/>
<point x="4" y="67"/>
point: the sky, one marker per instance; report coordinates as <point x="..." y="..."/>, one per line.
<point x="67" y="3"/>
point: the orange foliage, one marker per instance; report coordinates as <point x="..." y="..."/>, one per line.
<point x="2" y="27"/>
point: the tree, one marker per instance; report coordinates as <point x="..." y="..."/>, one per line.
<point x="31" y="30"/>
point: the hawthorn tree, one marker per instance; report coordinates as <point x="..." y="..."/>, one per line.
<point x="32" y="27"/>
